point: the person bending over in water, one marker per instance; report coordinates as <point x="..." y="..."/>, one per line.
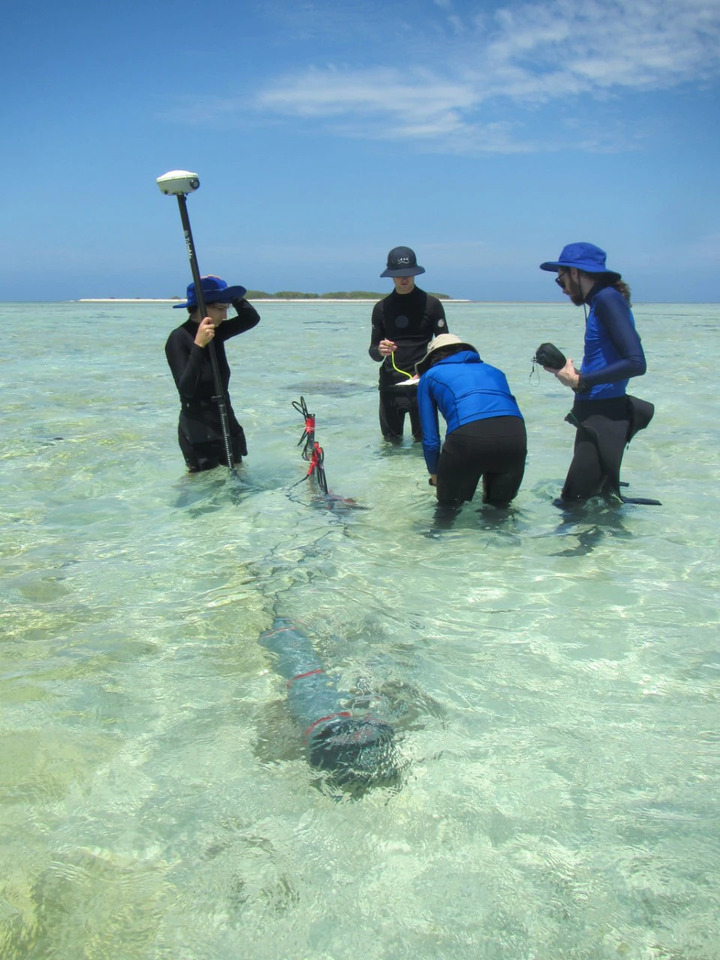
<point x="485" y="430"/>
<point x="200" y="433"/>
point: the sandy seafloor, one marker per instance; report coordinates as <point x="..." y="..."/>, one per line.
<point x="552" y="681"/>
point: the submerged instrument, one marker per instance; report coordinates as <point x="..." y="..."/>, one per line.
<point x="358" y="749"/>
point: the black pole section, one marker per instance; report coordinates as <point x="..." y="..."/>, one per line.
<point x="220" y="392"/>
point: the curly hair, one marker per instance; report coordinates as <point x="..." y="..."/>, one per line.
<point x="619" y="285"/>
<point x="624" y="289"/>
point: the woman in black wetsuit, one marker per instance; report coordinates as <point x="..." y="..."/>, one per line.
<point x="200" y="432"/>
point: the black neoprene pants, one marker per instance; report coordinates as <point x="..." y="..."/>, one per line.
<point x="599" y="446"/>
<point x="395" y="402"/>
<point x="494" y="449"/>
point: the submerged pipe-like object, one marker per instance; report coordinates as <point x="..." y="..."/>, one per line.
<point x="351" y="748"/>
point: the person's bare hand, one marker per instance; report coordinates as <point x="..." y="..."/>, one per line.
<point x="205" y="332"/>
<point x="567" y="375"/>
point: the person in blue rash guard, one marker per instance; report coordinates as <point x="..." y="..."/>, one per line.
<point x="605" y="416"/>
<point x="485" y="430"/>
<point x="200" y="433"/>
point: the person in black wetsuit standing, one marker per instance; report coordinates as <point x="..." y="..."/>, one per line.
<point x="403" y="324"/>
<point x="200" y="432"/>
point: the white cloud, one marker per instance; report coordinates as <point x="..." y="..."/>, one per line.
<point x="332" y="92"/>
<point x="597" y="46"/>
<point x="480" y="65"/>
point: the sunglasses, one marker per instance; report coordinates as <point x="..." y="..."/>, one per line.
<point x="560" y="278"/>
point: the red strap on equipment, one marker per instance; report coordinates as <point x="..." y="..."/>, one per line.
<point x="301" y="675"/>
<point x="329" y="717"/>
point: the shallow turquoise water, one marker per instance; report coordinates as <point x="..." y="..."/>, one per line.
<point x="553" y="683"/>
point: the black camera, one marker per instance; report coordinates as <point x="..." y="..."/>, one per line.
<point x="548" y="355"/>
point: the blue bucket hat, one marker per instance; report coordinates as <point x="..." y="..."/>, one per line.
<point x="581" y="256"/>
<point x="214" y="290"/>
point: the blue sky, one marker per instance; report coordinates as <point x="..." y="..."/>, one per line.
<point x="485" y="135"/>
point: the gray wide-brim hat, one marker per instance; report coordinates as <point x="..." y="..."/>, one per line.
<point x="402" y="262"/>
<point x="581" y="256"/>
<point x="443" y="340"/>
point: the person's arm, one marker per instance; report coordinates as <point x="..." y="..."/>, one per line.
<point x="380" y="346"/>
<point x="438" y="317"/>
<point x="185" y="359"/>
<point x="429" y="422"/>
<point x="614" y="314"/>
<point x="247" y="318"/>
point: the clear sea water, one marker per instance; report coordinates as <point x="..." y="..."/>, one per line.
<point x="553" y="682"/>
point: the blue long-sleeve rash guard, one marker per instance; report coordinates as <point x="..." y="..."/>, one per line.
<point x="613" y="351"/>
<point x="463" y="389"/>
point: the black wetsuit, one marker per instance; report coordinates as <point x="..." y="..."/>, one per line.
<point x="200" y="432"/>
<point x="410" y="320"/>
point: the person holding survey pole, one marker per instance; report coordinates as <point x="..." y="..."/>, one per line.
<point x="403" y="324"/>
<point x="200" y="430"/>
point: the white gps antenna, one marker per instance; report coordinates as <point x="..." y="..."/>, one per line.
<point x="178" y="182"/>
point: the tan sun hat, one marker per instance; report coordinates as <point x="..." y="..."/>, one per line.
<point x="443" y="340"/>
